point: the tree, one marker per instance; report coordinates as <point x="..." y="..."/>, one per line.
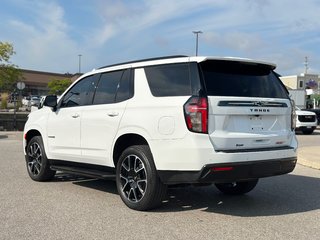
<point x="9" y="73"/>
<point x="317" y="98"/>
<point x="6" y="51"/>
<point x="58" y="86"/>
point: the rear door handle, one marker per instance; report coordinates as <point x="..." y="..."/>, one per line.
<point x="75" y="115"/>
<point x="113" y="114"/>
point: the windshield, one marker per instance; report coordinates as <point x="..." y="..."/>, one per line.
<point x="241" y="79"/>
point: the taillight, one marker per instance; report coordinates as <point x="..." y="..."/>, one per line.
<point x="293" y="115"/>
<point x="221" y="169"/>
<point x="196" y="114"/>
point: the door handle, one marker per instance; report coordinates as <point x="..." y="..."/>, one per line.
<point x="113" y="114"/>
<point x="75" y="115"/>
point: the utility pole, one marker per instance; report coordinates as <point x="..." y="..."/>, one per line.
<point x="79" y="62"/>
<point x="197" y="37"/>
<point x="306" y="65"/>
<point x="14" y="110"/>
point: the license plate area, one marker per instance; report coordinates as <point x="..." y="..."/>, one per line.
<point x="256" y="123"/>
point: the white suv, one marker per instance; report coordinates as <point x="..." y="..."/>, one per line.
<point x="306" y="121"/>
<point x="165" y="121"/>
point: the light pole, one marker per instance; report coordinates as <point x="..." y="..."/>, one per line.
<point x="80" y="62"/>
<point x="197" y="36"/>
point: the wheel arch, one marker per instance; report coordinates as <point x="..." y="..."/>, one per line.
<point x="30" y="134"/>
<point x="126" y="141"/>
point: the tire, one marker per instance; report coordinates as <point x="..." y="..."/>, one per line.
<point x="38" y="165"/>
<point x="138" y="183"/>
<point x="237" y="188"/>
<point x="307" y="132"/>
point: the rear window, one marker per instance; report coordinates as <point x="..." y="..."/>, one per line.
<point x="238" y="79"/>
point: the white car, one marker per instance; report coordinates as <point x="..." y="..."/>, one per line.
<point x="306" y="121"/>
<point x="35" y="101"/>
<point x="174" y="120"/>
<point x="26" y="100"/>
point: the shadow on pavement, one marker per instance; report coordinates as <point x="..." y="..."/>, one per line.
<point x="97" y="184"/>
<point x="3" y="136"/>
<point x="282" y="195"/>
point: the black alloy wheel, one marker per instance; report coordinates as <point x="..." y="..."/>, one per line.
<point x="138" y="183"/>
<point x="133" y="177"/>
<point x="38" y="165"/>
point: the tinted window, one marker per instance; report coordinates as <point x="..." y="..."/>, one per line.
<point x="107" y="87"/>
<point x="300" y="84"/>
<point x="125" y="89"/>
<point x="81" y="93"/>
<point x="169" y="80"/>
<point x="226" y="78"/>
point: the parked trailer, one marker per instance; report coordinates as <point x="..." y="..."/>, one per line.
<point x="299" y="97"/>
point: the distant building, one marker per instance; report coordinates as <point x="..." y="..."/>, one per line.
<point x="303" y="81"/>
<point x="310" y="83"/>
<point x="37" y="82"/>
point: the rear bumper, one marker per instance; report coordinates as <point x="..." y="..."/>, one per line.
<point x="195" y="151"/>
<point x="230" y="172"/>
<point x="305" y="127"/>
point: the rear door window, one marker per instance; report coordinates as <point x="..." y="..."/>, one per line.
<point x="125" y="88"/>
<point x="107" y="87"/>
<point x="239" y="79"/>
<point x="114" y="87"/>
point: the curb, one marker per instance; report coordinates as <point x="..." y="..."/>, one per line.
<point x="11" y="135"/>
<point x="308" y="163"/>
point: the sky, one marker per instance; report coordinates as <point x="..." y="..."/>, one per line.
<point x="49" y="35"/>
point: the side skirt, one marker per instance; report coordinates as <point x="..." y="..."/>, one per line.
<point x="82" y="169"/>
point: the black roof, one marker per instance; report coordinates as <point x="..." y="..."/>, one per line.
<point x="144" y="60"/>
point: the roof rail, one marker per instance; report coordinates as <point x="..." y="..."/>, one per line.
<point x="145" y="60"/>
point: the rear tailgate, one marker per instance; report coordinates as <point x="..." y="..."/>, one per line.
<point x="249" y="107"/>
<point x="243" y="124"/>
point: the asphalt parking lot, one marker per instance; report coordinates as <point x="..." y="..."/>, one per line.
<point x="70" y="207"/>
<point x="309" y="149"/>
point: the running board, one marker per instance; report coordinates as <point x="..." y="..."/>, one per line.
<point x="92" y="173"/>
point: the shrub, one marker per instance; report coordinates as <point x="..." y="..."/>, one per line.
<point x="4" y="103"/>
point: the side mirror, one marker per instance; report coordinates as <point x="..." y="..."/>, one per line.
<point x="51" y="101"/>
